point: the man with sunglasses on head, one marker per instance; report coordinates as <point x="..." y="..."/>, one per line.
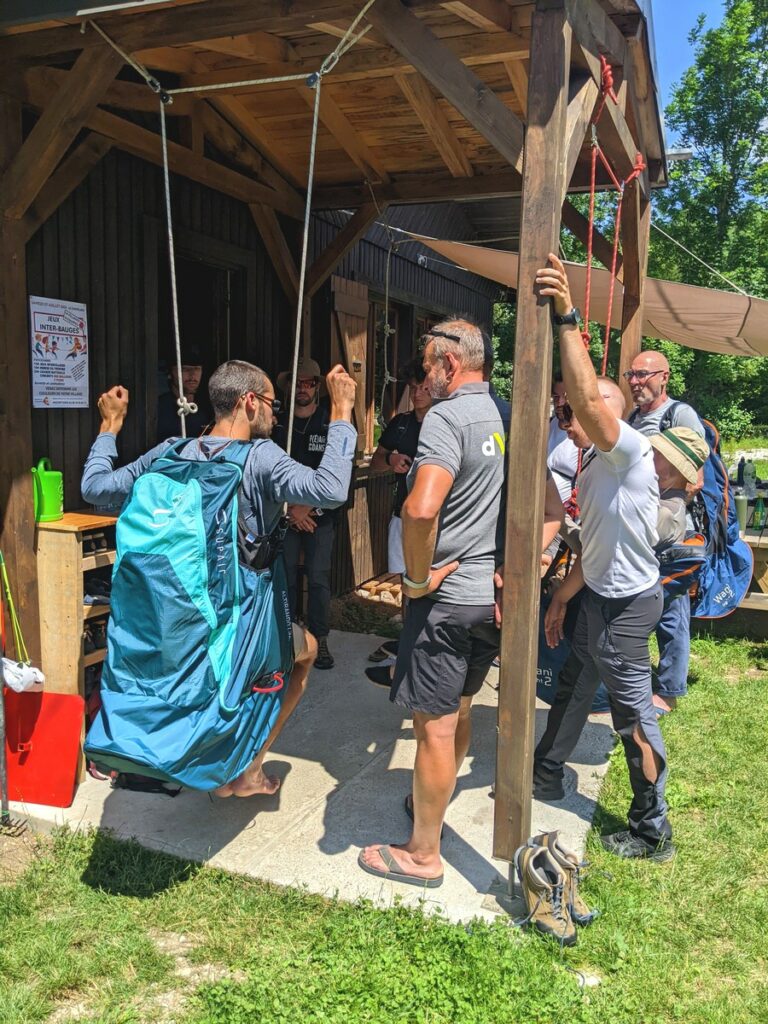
<point x="245" y="410"/>
<point x="654" y="413"/>
<point x="312" y="529"/>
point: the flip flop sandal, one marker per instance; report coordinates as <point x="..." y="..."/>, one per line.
<point x="408" y="805"/>
<point x="394" y="873"/>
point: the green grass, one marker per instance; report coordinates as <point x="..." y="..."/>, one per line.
<point x="677" y="942"/>
<point x="744" y="444"/>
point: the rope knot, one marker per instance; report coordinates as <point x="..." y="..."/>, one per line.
<point x="606" y="74"/>
<point x="186" y="408"/>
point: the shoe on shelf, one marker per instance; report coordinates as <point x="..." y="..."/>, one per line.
<point x="100" y="541"/>
<point x="571" y="867"/>
<point x="631" y="847"/>
<point x="547" y="785"/>
<point x="543" y="884"/>
<point x="324" y="657"/>
<point x="381" y="675"/>
<point x="89" y="645"/>
<point x="386" y="651"/>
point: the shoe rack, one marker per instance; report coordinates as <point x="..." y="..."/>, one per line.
<point x="68" y="550"/>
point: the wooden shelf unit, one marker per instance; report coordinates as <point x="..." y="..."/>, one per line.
<point x="61" y="567"/>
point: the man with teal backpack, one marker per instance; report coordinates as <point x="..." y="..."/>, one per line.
<point x="203" y="666"/>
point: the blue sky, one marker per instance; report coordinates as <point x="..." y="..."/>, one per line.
<point x="673" y="20"/>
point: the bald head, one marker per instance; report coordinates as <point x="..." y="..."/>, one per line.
<point x="649" y="383"/>
<point x="651" y="361"/>
<point x="612" y="394"/>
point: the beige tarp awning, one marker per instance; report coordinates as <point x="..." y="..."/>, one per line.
<point x="702" y="318"/>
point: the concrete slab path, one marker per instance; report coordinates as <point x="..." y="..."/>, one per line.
<point x="345" y="759"/>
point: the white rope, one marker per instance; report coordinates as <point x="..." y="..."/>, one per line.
<point x="185" y="407"/>
<point x="699" y="259"/>
<point x="137" y="66"/>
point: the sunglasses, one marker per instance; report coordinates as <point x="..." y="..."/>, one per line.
<point x="274" y="403"/>
<point x="641" y="375"/>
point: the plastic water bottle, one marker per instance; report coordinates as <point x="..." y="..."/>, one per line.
<point x="750" y="479"/>
<point x="758" y="518"/>
<point x="740" y="471"/>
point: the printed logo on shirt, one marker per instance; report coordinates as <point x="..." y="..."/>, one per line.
<point x="316" y="443"/>
<point x="489" y="446"/>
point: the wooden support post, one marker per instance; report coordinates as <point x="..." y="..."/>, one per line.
<point x="349" y="236"/>
<point x="543" y="191"/>
<point x="277" y="246"/>
<point x="56" y="129"/>
<point x="17" y="524"/>
<point x="635" y="231"/>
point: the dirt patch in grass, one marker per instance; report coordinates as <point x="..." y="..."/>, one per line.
<point x="16" y="854"/>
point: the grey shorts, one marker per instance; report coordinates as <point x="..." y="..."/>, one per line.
<point x="444" y="654"/>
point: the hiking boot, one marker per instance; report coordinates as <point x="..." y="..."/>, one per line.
<point x="387" y="650"/>
<point x="324" y="657"/>
<point x="570" y="865"/>
<point x="381" y="675"/>
<point x="547" y="785"/>
<point x="543" y="885"/>
<point x="632" y="847"/>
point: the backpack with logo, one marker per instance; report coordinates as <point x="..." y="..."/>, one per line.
<point x="713" y="562"/>
<point x="199" y="644"/>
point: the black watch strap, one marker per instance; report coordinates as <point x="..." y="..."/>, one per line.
<point x="571" y="319"/>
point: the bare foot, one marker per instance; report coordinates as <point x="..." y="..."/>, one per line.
<point x="664" y="703"/>
<point x="223" y="791"/>
<point x="430" y="868"/>
<point x="255" y="784"/>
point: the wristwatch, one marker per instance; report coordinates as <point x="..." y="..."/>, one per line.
<point x="571" y="319"/>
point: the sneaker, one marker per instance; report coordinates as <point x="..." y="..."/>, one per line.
<point x="631" y="847"/>
<point x="543" y="885"/>
<point x="547" y="785"/>
<point x="381" y="675"/>
<point x="387" y="650"/>
<point x="570" y="865"/>
<point x="324" y="657"/>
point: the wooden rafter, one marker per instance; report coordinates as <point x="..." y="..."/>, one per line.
<point x="346" y="239"/>
<point x="38" y="86"/>
<point x="145" y="144"/>
<point x="459" y="84"/>
<point x="338" y="29"/>
<point x="290" y="173"/>
<point x="257" y="46"/>
<point x="277" y="246"/>
<point x="56" y="129"/>
<point x="418" y="93"/>
<point x="337" y="123"/>
<point x="517" y="70"/>
<point x="422" y="188"/>
<point x="229" y="141"/>
<point x="172" y="27"/>
<point x="64" y="180"/>
<point x="581" y="107"/>
<point x="594" y="30"/>
<point x="486" y="14"/>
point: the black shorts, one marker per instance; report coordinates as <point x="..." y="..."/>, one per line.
<point x="444" y="654"/>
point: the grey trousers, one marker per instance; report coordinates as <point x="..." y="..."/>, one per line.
<point x="611" y="643"/>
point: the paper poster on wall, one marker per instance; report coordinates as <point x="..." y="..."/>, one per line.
<point x="59" y="353"/>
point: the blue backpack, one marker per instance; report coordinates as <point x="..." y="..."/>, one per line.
<point x="713" y="563"/>
<point x="199" y="643"/>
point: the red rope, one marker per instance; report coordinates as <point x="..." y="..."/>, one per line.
<point x="607" y="92"/>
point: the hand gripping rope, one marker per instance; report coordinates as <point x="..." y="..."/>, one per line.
<point x="607" y="93"/>
<point x="313" y="81"/>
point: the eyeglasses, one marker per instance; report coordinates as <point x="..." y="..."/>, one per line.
<point x="306" y="383"/>
<point x="274" y="403"/>
<point x="641" y="375"/>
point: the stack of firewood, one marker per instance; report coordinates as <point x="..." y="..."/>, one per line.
<point x="384" y="590"/>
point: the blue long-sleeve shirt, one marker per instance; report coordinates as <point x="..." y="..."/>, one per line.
<point x="270" y="478"/>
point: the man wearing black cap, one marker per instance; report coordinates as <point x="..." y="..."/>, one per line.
<point x="168" y="422"/>
<point x="312" y="530"/>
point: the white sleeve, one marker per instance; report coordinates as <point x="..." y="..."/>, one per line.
<point x="630" y="446"/>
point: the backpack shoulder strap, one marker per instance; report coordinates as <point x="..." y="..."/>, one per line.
<point x="668" y="419"/>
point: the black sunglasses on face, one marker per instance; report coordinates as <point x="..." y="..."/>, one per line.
<point x="274" y="403"/>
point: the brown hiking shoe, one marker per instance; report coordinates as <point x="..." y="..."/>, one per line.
<point x="543" y="885"/>
<point x="570" y="865"/>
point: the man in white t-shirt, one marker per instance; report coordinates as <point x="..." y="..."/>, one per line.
<point x="622" y="600"/>
<point x="654" y="413"/>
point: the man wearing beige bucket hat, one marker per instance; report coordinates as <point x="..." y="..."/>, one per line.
<point x="312" y="530"/>
<point x="678" y="455"/>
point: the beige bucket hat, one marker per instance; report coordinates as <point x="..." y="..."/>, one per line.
<point x="686" y="450"/>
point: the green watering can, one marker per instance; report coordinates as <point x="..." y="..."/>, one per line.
<point x="48" y="486"/>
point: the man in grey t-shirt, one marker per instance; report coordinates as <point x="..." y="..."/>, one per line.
<point x="451" y="544"/>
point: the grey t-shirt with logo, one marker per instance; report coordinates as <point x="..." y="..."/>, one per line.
<point x="464" y="434"/>
<point x="649" y="423"/>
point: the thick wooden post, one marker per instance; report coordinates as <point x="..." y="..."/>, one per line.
<point x="544" y="187"/>
<point x="635" y="231"/>
<point x="17" y="525"/>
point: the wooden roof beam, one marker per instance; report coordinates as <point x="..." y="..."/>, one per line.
<point x="258" y="46"/>
<point x="517" y="71"/>
<point x="487" y="14"/>
<point x="347" y="238"/>
<point x="337" y="123"/>
<point x="64" y="180"/>
<point x="229" y="141"/>
<point x="416" y="90"/>
<point x="174" y="26"/>
<point x="278" y="249"/>
<point x="459" y="84"/>
<point x="287" y="173"/>
<point x="56" y="129"/>
<point x="40" y="84"/>
<point x="145" y="144"/>
<point x="423" y="188"/>
<point x="594" y="29"/>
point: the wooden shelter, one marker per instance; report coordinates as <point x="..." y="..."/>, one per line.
<point x="484" y="101"/>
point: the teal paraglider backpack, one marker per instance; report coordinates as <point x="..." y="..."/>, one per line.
<point x="199" y="643"/>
